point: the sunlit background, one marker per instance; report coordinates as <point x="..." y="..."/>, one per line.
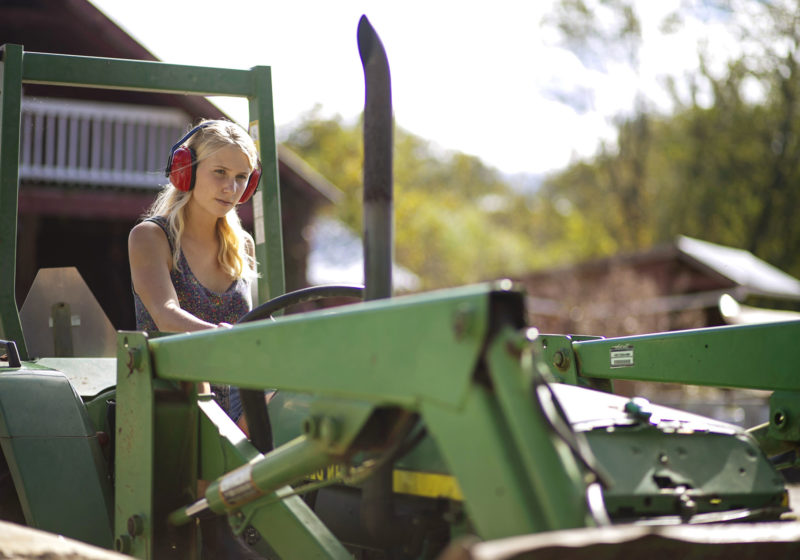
<point x="632" y="164"/>
<point x="494" y="80"/>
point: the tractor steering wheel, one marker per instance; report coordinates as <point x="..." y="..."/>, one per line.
<point x="253" y="401"/>
<point x="313" y="293"/>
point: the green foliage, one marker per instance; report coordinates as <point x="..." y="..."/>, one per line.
<point x="598" y="30"/>
<point x="727" y="171"/>
<point x="455" y="218"/>
<point x="336" y="151"/>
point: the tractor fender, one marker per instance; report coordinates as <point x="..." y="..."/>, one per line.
<point x="52" y="453"/>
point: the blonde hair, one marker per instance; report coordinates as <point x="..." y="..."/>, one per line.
<point x="170" y="203"/>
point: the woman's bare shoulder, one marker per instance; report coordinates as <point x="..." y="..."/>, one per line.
<point x="148" y="236"/>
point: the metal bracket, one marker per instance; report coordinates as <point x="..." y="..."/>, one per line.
<point x="11" y="353"/>
<point x="784" y="416"/>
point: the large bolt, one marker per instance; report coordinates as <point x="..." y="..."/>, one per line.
<point x="780" y="419"/>
<point x="311" y="427"/>
<point x="328" y="430"/>
<point x="135" y="525"/>
<point x="134" y="359"/>
<point x="561" y="359"/>
<point x="122" y="544"/>
<point x="463" y="320"/>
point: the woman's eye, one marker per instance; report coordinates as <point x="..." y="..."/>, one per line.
<point x="219" y="171"/>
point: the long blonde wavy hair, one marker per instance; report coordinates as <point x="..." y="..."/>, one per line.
<point x="171" y="203"/>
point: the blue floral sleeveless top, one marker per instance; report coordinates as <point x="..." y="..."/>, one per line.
<point x="226" y="307"/>
<point x="214" y="307"/>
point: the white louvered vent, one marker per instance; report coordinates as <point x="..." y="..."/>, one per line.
<point x="92" y="143"/>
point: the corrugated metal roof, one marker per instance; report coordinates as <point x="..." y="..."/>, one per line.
<point x="734" y="313"/>
<point x="741" y="267"/>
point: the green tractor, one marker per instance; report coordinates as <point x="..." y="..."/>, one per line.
<point x="436" y="425"/>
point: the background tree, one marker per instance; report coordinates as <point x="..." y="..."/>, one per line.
<point x="455" y="218"/>
<point x="724" y="169"/>
<point x="722" y="165"/>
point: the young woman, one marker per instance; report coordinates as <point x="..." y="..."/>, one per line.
<point x="191" y="261"/>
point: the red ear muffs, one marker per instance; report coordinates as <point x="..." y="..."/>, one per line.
<point x="181" y="168"/>
<point x="252" y="184"/>
<point x="182" y="162"/>
<point x="182" y="165"/>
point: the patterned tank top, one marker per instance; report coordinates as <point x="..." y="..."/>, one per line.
<point x="214" y="307"/>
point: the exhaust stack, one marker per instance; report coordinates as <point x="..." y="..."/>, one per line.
<point x="378" y="148"/>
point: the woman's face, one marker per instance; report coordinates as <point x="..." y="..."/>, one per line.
<point x="221" y="180"/>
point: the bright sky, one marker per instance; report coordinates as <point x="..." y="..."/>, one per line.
<point x="472" y="76"/>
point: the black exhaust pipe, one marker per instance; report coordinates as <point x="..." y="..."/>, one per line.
<point x="377" y="510"/>
<point x="378" y="177"/>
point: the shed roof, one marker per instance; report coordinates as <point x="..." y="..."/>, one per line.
<point x="741" y="267"/>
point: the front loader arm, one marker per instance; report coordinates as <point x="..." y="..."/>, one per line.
<point x="452" y="358"/>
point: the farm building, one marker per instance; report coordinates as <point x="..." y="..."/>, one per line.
<point x="93" y="160"/>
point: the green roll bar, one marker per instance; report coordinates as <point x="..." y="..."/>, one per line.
<point x="18" y="67"/>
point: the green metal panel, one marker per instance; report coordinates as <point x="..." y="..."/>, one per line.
<point x="719" y="472"/>
<point x="54" y="457"/>
<point x="89" y="376"/>
<point x="110" y="73"/>
<point x="557" y="352"/>
<point x="288" y="410"/>
<point x="744" y="356"/>
<point x="516" y="476"/>
<point x="135" y="436"/>
<point x="287" y="524"/>
<point x="223" y="446"/>
<point x="483" y="457"/>
<point x="784" y="417"/>
<point x="267" y="202"/>
<point x="10" y="114"/>
<point x="175" y="483"/>
<point x="292" y="530"/>
<point x="403" y="350"/>
<point x="550" y="467"/>
<point x="97" y="410"/>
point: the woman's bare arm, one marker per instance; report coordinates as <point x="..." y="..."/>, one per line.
<point x="151" y="261"/>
